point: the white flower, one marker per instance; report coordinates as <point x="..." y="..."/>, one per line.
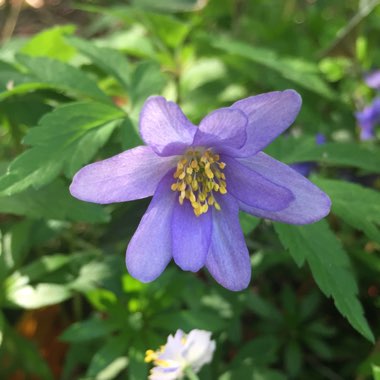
<point x="181" y="351"/>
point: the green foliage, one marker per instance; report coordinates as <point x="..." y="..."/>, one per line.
<point x="59" y="141"/>
<point x="330" y="266"/>
<point x="72" y="94"/>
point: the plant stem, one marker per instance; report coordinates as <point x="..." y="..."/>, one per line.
<point x="191" y="374"/>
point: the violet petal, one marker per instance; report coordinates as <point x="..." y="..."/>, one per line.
<point x="191" y="236"/>
<point x="268" y="115"/>
<point x="133" y="174"/>
<point x="164" y="127"/>
<point x="223" y="128"/>
<point x="150" y="248"/>
<point x="228" y="258"/>
<point x="255" y="189"/>
<point x="310" y="203"/>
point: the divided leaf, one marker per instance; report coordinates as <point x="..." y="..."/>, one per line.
<point x="303" y="73"/>
<point x="110" y="61"/>
<point x="330" y="266"/>
<point x="58" y="142"/>
<point x="45" y="72"/>
<point x="356" y="205"/>
<point x="293" y="150"/>
<point x="52" y="202"/>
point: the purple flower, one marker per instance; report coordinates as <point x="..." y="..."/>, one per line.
<point x="368" y="119"/>
<point x="372" y="79"/>
<point x="199" y="178"/>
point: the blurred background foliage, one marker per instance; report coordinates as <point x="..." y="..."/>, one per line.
<point x="73" y="77"/>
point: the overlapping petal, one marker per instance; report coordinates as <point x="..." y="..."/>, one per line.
<point x="191" y="236"/>
<point x="150" y="248"/>
<point x="223" y="128"/>
<point x="164" y="127"/>
<point x="254" y="189"/>
<point x="310" y="204"/>
<point x="228" y="258"/>
<point x="268" y="115"/>
<point x="130" y="175"/>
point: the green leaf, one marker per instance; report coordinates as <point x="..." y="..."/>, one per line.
<point x="110" y="61"/>
<point x="170" y="5"/>
<point x="2" y="327"/>
<point x="46" y="72"/>
<point x="34" y="297"/>
<point x="376" y="372"/>
<point x="262" y="307"/>
<point x="187" y="321"/>
<point x="107" y="363"/>
<point x="356" y="205"/>
<point x="330" y="266"/>
<point x="52" y="202"/>
<point x="169" y="29"/>
<point x="293" y="358"/>
<point x="338" y="154"/>
<point x="303" y="73"/>
<point x="248" y="222"/>
<point x="51" y="43"/>
<point x="87" y="330"/>
<point x="147" y="80"/>
<point x="58" y="142"/>
<point x="23" y="354"/>
<point x="34" y="271"/>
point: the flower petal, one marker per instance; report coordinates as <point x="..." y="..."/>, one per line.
<point x="310" y="203"/>
<point x="133" y="174"/>
<point x="191" y="236"/>
<point x="150" y="248"/>
<point x="225" y="127"/>
<point x="268" y="116"/>
<point x="254" y="189"/>
<point x="164" y="127"/>
<point x="228" y="258"/>
<point x="199" y="349"/>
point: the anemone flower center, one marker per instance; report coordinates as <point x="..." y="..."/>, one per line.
<point x="199" y="176"/>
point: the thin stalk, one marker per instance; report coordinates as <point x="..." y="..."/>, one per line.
<point x="190" y="374"/>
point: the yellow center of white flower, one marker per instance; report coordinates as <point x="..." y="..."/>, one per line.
<point x="198" y="176"/>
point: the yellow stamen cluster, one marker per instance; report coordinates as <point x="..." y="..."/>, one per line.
<point x="152" y="356"/>
<point x="198" y="176"/>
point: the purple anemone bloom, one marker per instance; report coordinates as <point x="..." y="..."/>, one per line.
<point x="200" y="177"/>
<point x="372" y="79"/>
<point x="368" y="119"/>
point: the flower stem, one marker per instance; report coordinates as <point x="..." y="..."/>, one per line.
<point x="191" y="374"/>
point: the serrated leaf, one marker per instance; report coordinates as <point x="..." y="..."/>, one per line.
<point x="330" y="266"/>
<point x="356" y="205"/>
<point x="303" y="73"/>
<point x="58" y="142"/>
<point x="55" y="74"/>
<point x="52" y="202"/>
<point x="109" y="60"/>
